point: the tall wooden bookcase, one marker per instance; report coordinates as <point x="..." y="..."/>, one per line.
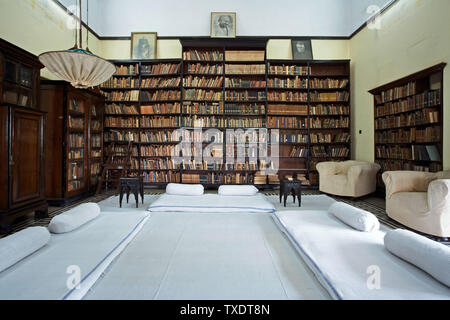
<point x="227" y="84"/>
<point x="22" y="157"/>
<point x="74" y="136"/>
<point x="409" y="122"/>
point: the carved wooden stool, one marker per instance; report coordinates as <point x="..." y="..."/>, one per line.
<point x="134" y="185"/>
<point x="291" y="186"/>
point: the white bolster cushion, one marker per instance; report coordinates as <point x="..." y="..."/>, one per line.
<point x="21" y="244"/>
<point x="241" y="190"/>
<point x="179" y="189"/>
<point x="74" y="218"/>
<point x="430" y="256"/>
<point x="356" y="218"/>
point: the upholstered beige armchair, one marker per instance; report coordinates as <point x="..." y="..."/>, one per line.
<point x="419" y="200"/>
<point x="348" y="178"/>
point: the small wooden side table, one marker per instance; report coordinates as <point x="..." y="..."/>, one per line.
<point x="293" y="187"/>
<point x="134" y="185"/>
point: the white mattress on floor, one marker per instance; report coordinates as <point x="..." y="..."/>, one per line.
<point x="211" y="203"/>
<point x="43" y="275"/>
<point x="340" y="257"/>
<point x="208" y="256"/>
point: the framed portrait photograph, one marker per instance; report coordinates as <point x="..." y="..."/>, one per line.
<point x="301" y="49"/>
<point x="223" y="24"/>
<point x="143" y="45"/>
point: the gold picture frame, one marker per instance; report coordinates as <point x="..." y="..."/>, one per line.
<point x="223" y="25"/>
<point x="144" y="45"/>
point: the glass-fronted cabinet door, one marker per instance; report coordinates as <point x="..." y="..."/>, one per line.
<point x="76" y="145"/>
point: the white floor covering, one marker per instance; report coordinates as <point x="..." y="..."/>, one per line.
<point x="215" y="256"/>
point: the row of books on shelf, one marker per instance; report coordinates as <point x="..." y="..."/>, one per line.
<point x="245" y="95"/>
<point x="127" y="70"/>
<point x="328" y="83"/>
<point x="131" y="95"/>
<point x="202" y="108"/>
<point x="95" y="168"/>
<point x="115" y="82"/>
<point x="129" y="122"/>
<point x="96" y="153"/>
<point x="162" y="164"/>
<point x="396" y="165"/>
<point x="96" y="125"/>
<point x="160" y="82"/>
<point x="75" y="154"/>
<point x="302" y="123"/>
<point x="161" y="176"/>
<point x="419" y="101"/>
<point x="289" y="70"/>
<point x="122" y="151"/>
<point x="195" y="81"/>
<point x="421" y="117"/>
<point x="120" y="109"/>
<point x="288" y="83"/>
<point x="258" y="109"/>
<point x="414" y="152"/>
<point x="329" y="96"/>
<point x="76" y="141"/>
<point x="159" y="121"/>
<point x="329" y="109"/>
<point x="75" y="171"/>
<point x="343" y="137"/>
<point x="288" y="96"/>
<point x="160" y="68"/>
<point x="396" y="93"/>
<point x="205" y="68"/>
<point x="201" y="94"/>
<point x="218" y="178"/>
<point x="161" y="108"/>
<point x="428" y="134"/>
<point x="319" y="151"/>
<point x="288" y="109"/>
<point x="203" y="55"/>
<point x="322" y="151"/>
<point x="96" y="141"/>
<point x="160" y="95"/>
<point x="76" y="123"/>
<point x="259" y="69"/>
<point x="219" y="122"/>
<point x="242" y="83"/>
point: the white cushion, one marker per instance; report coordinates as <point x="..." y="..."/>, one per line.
<point x="356" y="218"/>
<point x="74" y="218"/>
<point x="430" y="256"/>
<point x="179" y="189"/>
<point x="21" y="244"/>
<point x="235" y="190"/>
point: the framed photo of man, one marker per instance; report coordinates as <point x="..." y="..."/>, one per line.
<point x="223" y="24"/>
<point x="143" y="45"/>
<point x="301" y="49"/>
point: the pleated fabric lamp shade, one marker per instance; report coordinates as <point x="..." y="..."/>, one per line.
<point x="79" y="67"/>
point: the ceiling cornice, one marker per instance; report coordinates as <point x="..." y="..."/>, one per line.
<point x="125" y="38"/>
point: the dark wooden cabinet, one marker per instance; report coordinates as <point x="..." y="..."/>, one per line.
<point x="22" y="181"/>
<point x="22" y="163"/>
<point x="74" y="136"/>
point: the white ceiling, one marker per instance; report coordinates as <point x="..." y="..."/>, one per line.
<point x="177" y="18"/>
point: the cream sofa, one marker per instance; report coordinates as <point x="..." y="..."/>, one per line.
<point x="347" y="178"/>
<point x="419" y="200"/>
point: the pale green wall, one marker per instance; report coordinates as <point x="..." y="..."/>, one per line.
<point x="413" y="35"/>
<point x="38" y="26"/>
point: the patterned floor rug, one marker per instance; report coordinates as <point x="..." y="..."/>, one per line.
<point x="374" y="205"/>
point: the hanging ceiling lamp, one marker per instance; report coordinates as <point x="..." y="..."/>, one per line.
<point x="80" y="67"/>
